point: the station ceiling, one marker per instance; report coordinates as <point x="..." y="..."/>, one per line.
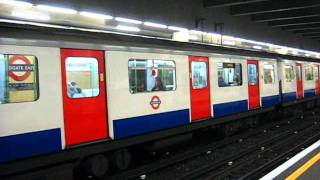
<point x="297" y="16"/>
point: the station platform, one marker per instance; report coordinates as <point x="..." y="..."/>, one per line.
<point x="303" y="166"/>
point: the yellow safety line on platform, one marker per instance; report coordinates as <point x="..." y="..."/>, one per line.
<point x="304" y="168"/>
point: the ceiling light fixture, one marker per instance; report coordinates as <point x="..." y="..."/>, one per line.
<point x="156" y="25"/>
<point x="126" y="20"/>
<point x="56" y="9"/>
<point x="95" y="15"/>
<point x="127" y="28"/>
<point x="16" y="3"/>
<point x="31" y="15"/>
<point x="175" y="28"/>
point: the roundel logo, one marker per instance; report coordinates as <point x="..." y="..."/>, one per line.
<point x="155" y="102"/>
<point x="19" y="68"/>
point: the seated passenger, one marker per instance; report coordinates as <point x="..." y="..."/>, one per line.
<point x="221" y="82"/>
<point x="73" y="89"/>
<point x="158" y="86"/>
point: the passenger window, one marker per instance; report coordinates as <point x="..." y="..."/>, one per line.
<point x="269" y="75"/>
<point x="18" y="78"/>
<point x="289" y="73"/>
<point x="309" y="73"/>
<point x="147" y="75"/>
<point x="82" y="77"/>
<point x="252" y="74"/>
<point x="229" y="74"/>
<point x="199" y="75"/>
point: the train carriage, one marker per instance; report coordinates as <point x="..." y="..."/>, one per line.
<point x="67" y="97"/>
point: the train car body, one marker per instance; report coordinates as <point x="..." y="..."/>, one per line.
<point x="61" y="97"/>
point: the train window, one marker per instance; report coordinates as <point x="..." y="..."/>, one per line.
<point x="147" y="75"/>
<point x="229" y="74"/>
<point x="18" y="78"/>
<point x="82" y="77"/>
<point x="309" y="73"/>
<point x="298" y="73"/>
<point x="252" y="74"/>
<point x="199" y="75"/>
<point x="269" y="75"/>
<point x="289" y="73"/>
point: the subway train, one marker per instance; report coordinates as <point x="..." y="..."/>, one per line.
<point x="67" y="95"/>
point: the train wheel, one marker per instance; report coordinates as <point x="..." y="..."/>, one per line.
<point x="96" y="166"/>
<point x="122" y="158"/>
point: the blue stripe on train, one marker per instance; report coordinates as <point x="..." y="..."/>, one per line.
<point x="309" y="93"/>
<point x="270" y="100"/>
<point x="29" y="144"/>
<point x="143" y="124"/>
<point x="289" y="97"/>
<point x="224" y="109"/>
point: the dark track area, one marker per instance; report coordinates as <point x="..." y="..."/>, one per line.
<point x="251" y="153"/>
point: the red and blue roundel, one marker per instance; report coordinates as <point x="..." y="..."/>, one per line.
<point x="155" y="102"/>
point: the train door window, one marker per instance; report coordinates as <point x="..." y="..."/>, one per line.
<point x="269" y="75"/>
<point x="151" y="75"/>
<point x="252" y="74"/>
<point x="298" y="73"/>
<point x="229" y="74"/>
<point x="309" y="73"/>
<point x="18" y="78"/>
<point x="82" y="77"/>
<point x="289" y="73"/>
<point x="199" y="75"/>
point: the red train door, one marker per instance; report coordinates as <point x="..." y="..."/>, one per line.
<point x="253" y="84"/>
<point x="199" y="87"/>
<point x="299" y="81"/>
<point x="84" y="96"/>
<point x="317" y="79"/>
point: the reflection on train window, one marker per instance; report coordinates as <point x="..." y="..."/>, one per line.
<point x="252" y="74"/>
<point x="289" y="73"/>
<point x="316" y="72"/>
<point x="229" y="74"/>
<point x="199" y="75"/>
<point x="82" y="77"/>
<point x="147" y="75"/>
<point x="269" y="75"/>
<point x="18" y="78"/>
<point x="298" y="73"/>
<point x="309" y="73"/>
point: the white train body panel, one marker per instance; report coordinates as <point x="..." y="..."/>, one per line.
<point x="309" y="83"/>
<point x="131" y="109"/>
<point x="40" y="121"/>
<point x="234" y="98"/>
<point x="269" y="90"/>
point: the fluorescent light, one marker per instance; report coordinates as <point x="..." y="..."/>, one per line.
<point x="31" y="15"/>
<point x="16" y="3"/>
<point x="308" y="55"/>
<point x="174" y="28"/>
<point x="95" y="15"/>
<point x="57" y="9"/>
<point x="294" y="52"/>
<point x="197" y="32"/>
<point x="215" y="35"/>
<point x="128" y="28"/>
<point x="193" y="37"/>
<point x="133" y="21"/>
<point x="151" y="24"/>
<point x="230" y="43"/>
<point x="257" y="47"/>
